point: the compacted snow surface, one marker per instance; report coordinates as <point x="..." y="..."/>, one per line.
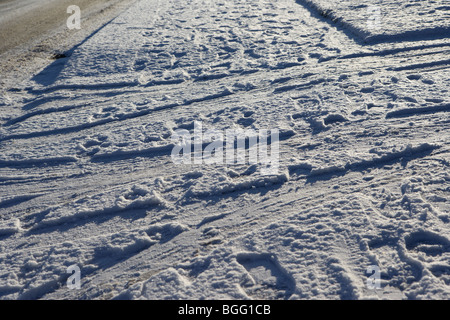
<point x="87" y="177"/>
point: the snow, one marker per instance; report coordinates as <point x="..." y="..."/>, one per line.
<point x="399" y="21"/>
<point x="87" y="177"/>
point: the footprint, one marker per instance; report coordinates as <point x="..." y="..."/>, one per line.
<point x="268" y="280"/>
<point x="434" y="249"/>
<point x="442" y="272"/>
<point x="140" y="64"/>
<point x="414" y="77"/>
<point x="245" y="122"/>
<point x="394" y="270"/>
<point x="334" y="118"/>
<point x="211" y="237"/>
<point x="163" y="233"/>
<point x="92" y="145"/>
<point x="429" y="243"/>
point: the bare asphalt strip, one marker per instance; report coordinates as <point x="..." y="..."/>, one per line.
<point x="33" y="30"/>
<point x="37" y="21"/>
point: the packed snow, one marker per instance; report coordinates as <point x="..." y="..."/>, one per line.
<point x="88" y="179"/>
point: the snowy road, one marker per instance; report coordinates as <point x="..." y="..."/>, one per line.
<point x="87" y="177"/>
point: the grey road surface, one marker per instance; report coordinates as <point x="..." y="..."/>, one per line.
<point x="32" y="31"/>
<point x="22" y="21"/>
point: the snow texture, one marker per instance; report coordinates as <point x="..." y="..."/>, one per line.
<point x="87" y="177"/>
